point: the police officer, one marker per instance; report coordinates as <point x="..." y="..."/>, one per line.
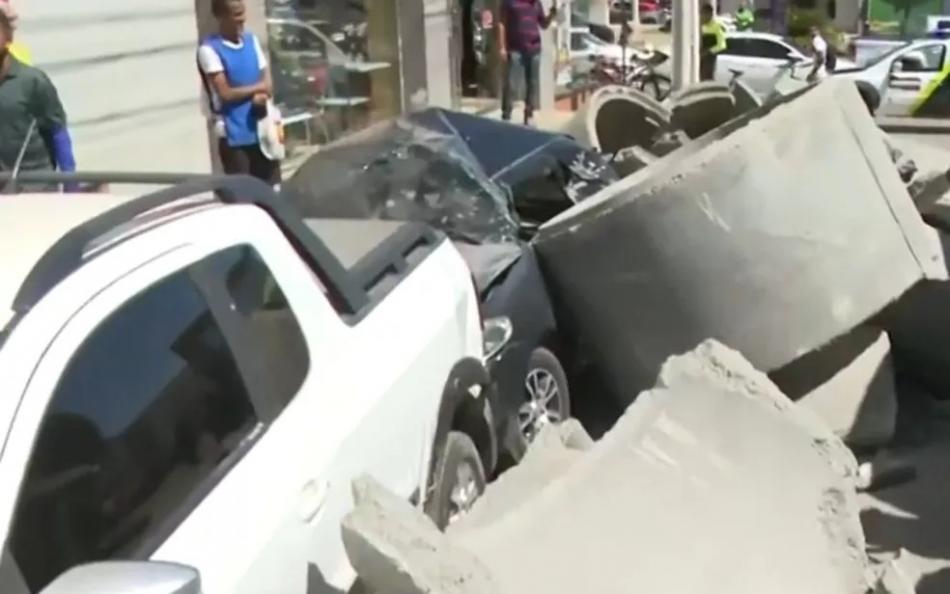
<point x="744" y="17"/>
<point x="712" y="43"/>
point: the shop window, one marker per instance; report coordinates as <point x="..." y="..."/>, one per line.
<point x="335" y="66"/>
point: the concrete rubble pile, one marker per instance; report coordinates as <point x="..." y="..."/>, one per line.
<point x="713" y="481"/>
<point x="753" y="235"/>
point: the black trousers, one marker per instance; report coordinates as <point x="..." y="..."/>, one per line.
<point x="707" y="66"/>
<point x="248" y="160"/>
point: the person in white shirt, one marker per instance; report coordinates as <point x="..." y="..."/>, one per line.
<point x="819" y="49"/>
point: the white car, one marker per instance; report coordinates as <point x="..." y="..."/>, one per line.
<point x="899" y="75"/>
<point x="761" y="58"/>
<point x="197" y="379"/>
<point x="587" y="46"/>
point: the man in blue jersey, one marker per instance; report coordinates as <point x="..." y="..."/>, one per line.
<point x="519" y="43"/>
<point x="239" y="86"/>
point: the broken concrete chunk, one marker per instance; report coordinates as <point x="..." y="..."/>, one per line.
<point x="668" y="141"/>
<point x="632" y="159"/>
<point x="699" y="112"/>
<point x="574" y="436"/>
<point x="616" y="117"/>
<point x="712" y="482"/>
<point x="747" y="236"/>
<point x="849" y="383"/>
<point x="396" y="549"/>
<point x="892" y="579"/>
<point x="549" y="457"/>
<point x="712" y="466"/>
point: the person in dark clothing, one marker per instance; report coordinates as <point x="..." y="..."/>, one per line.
<point x="33" y="134"/>
<point x="519" y="43"/>
<point x="238" y="81"/>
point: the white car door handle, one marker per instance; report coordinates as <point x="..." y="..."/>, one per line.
<point x="313" y="498"/>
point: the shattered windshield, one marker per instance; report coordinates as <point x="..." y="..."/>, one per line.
<point x="400" y="171"/>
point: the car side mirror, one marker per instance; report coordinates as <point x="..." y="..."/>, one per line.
<point x="127" y="577"/>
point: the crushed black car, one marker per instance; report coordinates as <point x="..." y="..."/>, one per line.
<point x="488" y="185"/>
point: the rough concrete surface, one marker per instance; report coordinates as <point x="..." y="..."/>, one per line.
<point x="632" y="159"/>
<point x="765" y="234"/>
<point x="712" y="482"/>
<point x="909" y="521"/>
<point x="396" y="549"/>
<point x="554" y="451"/>
<point x="703" y="110"/>
<point x="616" y="117"/>
<point x="849" y="383"/>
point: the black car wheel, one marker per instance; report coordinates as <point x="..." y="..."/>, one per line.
<point x="459" y="480"/>
<point x="547" y="395"/>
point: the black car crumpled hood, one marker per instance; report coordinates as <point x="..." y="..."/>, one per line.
<point x="465" y="175"/>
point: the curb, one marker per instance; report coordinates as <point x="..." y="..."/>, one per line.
<point x="896" y="126"/>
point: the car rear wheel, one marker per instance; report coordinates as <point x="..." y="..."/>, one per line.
<point x="547" y="395"/>
<point x="459" y="480"/>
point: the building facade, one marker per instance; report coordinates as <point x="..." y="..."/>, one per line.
<point x="128" y="77"/>
<point x="127" y="73"/>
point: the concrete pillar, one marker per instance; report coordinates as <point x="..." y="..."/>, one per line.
<point x="438" y="28"/>
<point x="599" y="12"/>
<point x="412" y="54"/>
<point x="546" y="76"/>
<point x="383" y="46"/>
<point x="685" y="48"/>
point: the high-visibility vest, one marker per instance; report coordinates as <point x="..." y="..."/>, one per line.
<point x="713" y="36"/>
<point x="20" y="52"/>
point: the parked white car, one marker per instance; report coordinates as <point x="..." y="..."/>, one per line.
<point x="899" y="75"/>
<point x="761" y="58"/>
<point x="197" y="380"/>
<point x="587" y="46"/>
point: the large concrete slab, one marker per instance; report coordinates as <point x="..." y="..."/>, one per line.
<point x="769" y="235"/>
<point x="712" y="482"/>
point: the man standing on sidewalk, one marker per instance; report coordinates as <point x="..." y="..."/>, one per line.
<point x="519" y="42"/>
<point x="819" y="49"/>
<point x="239" y="87"/>
<point x="33" y="135"/>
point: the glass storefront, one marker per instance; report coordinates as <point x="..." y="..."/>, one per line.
<point x="335" y="66"/>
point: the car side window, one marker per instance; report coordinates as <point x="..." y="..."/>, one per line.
<point x="928" y="58"/>
<point x="148" y="412"/>
<point x="736" y="46"/>
<point x="270" y="326"/>
<point x="768" y="49"/>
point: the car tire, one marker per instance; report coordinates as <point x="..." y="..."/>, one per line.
<point x="547" y="394"/>
<point x="459" y="479"/>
